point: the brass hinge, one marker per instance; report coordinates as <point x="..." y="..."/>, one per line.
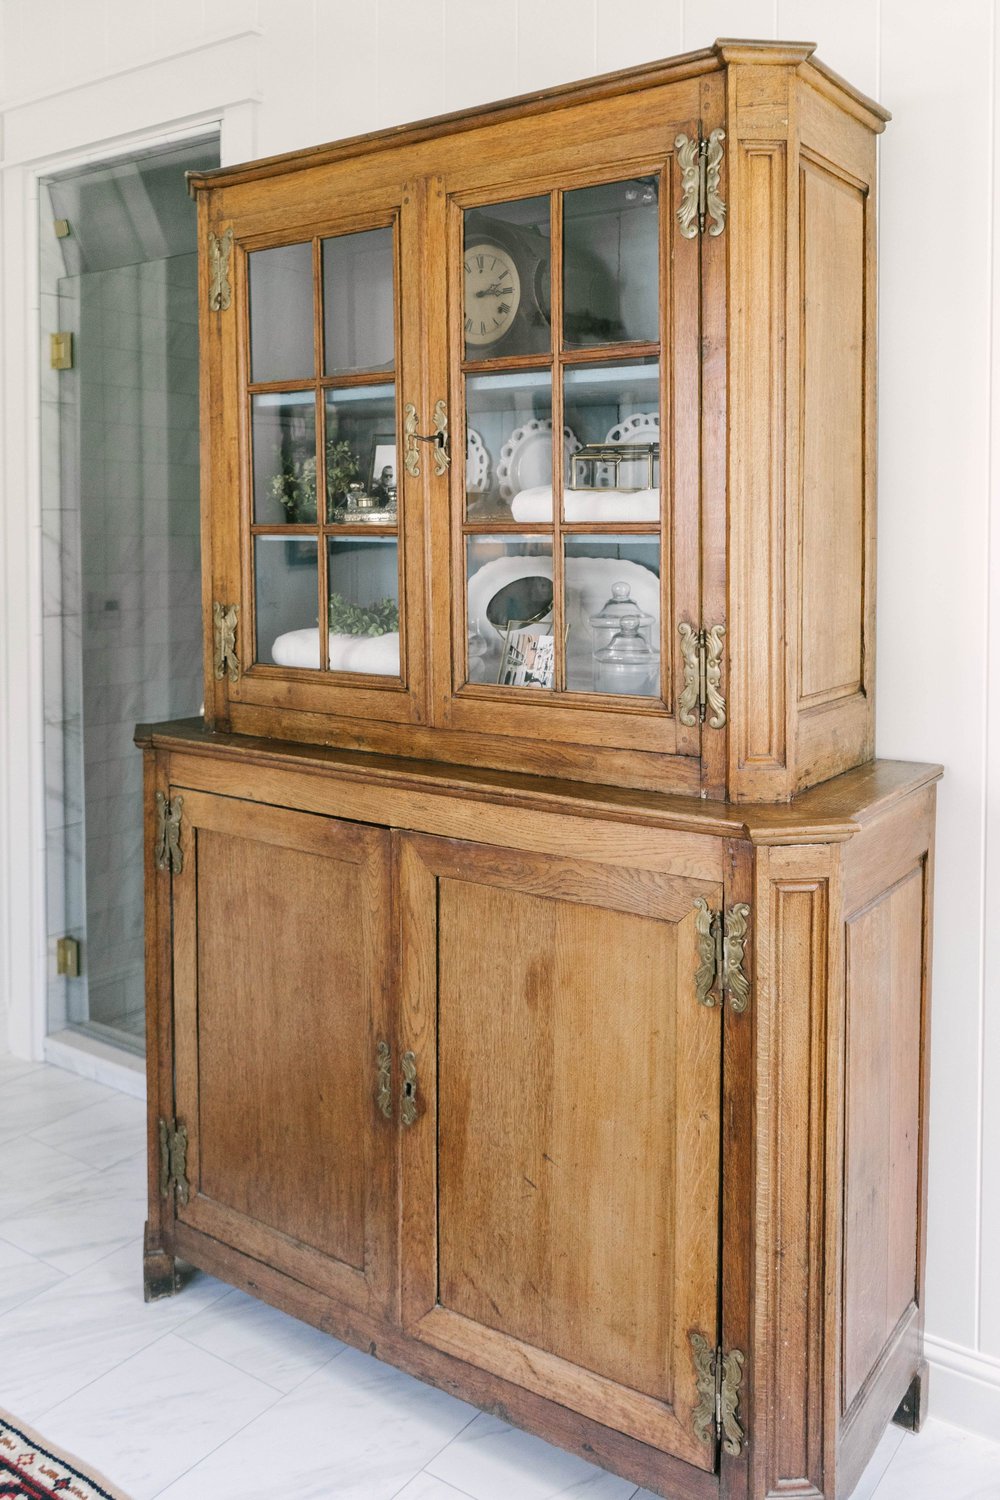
<point x="718" y="1377"/>
<point x="225" y="621"/>
<point x="173" y="1161"/>
<point x="220" y="293"/>
<point x="722" y="939"/>
<point x="68" y="957"/>
<point x="167" y="852"/>
<point x="702" y="209"/>
<point x="701" y="653"/>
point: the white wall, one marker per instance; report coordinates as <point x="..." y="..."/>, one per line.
<point x="87" y="74"/>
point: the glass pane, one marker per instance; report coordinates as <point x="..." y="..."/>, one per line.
<point x="509" y="446"/>
<point x="361" y="454"/>
<point x="284" y="458"/>
<point x="287" y="597"/>
<point x="358" y="301"/>
<point x="611" y="263"/>
<point x="281" y="313"/>
<point x="510" y="637"/>
<point x="364" y="605"/>
<point x="614" y="412"/>
<point x="508" y="297"/>
<point x="613" y="614"/>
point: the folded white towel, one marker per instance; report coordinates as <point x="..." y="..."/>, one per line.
<point x="535" y="504"/>
<point x="375" y="655"/>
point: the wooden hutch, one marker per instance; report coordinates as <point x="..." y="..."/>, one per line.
<point x="537" y="956"/>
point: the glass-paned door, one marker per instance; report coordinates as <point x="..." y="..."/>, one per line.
<point x="323" y="356"/>
<point x="573" y="384"/>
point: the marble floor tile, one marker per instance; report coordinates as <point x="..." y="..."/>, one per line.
<point x="84" y="1327"/>
<point x="31" y="1171"/>
<point x="493" y="1462"/>
<point x="942" y="1463"/>
<point x="15" y="1067"/>
<point x="100" y="1135"/>
<point x="155" y="1416"/>
<point x="36" y="1099"/>
<point x="426" y="1487"/>
<point x="22" y="1276"/>
<point x="83" y="1222"/>
<point x="356" y="1430"/>
<point x="260" y="1340"/>
<point x="879" y="1462"/>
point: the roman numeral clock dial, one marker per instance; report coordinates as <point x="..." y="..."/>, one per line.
<point x="492" y="293"/>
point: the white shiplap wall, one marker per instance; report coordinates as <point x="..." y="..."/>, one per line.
<point x="81" y="75"/>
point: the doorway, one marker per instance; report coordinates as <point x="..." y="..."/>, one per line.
<point x="121" y="556"/>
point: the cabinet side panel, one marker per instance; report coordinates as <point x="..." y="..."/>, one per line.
<point x="884" y="950"/>
<point x="831" y="546"/>
<point x="794" y="981"/>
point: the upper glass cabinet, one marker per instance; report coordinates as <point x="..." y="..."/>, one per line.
<point x="564" y="548"/>
<point x="322" y="413"/>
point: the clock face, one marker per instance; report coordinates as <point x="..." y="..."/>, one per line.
<point x="492" y="293"/>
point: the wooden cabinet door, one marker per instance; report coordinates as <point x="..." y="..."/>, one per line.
<point x="561" y="1172"/>
<point x="281" y="999"/>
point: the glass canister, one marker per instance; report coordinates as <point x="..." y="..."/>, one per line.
<point x="607" y="622"/>
<point x="626" y="664"/>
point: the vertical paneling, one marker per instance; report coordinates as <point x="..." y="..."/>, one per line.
<point x="351" y="107"/>
<point x="846" y="33"/>
<point x="990" y="1185"/>
<point x="480" y="58"/>
<point x="647" y="29"/>
<point x="408" y="65"/>
<point x="933" y="536"/>
<point x="555" y="42"/>
<point x="704" y="20"/>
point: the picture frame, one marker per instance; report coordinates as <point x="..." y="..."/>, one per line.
<point x="383" y="454"/>
<point x="528" y="659"/>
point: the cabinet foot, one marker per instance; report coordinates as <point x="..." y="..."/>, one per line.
<point x="912" y="1409"/>
<point x="159" y="1274"/>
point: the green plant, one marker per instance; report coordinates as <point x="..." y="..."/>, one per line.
<point x="378" y="618"/>
<point x="342" y="466"/>
<point x="295" y="488"/>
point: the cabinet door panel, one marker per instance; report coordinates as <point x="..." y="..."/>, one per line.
<point x="569" y="1085"/>
<point x="281" y="957"/>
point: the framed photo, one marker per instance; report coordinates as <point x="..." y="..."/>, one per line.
<point x="383" y="457"/>
<point x="529" y="659"/>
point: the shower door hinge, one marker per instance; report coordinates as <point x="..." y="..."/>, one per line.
<point x="722" y="940"/>
<point x="173" y="1161"/>
<point x="220" y="293"/>
<point x="718" y="1377"/>
<point x="702" y="209"/>
<point x="68" y="957"/>
<point x="225" y="620"/>
<point x="167" y="852"/>
<point x="701" y="698"/>
<point x="61" y="351"/>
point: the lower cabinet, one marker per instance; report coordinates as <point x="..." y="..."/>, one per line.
<point x="596" y="1120"/>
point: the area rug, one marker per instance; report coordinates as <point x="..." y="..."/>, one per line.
<point x="31" y="1469"/>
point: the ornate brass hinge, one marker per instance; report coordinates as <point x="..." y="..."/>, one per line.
<point x="220" y="293"/>
<point x="700" y="162"/>
<point x="383" y="1079"/>
<point x="226" y="619"/>
<point x="719" y="1377"/>
<point x="701" y="653"/>
<point x="167" y="851"/>
<point x="722" y="939"/>
<point x="173" y="1161"/>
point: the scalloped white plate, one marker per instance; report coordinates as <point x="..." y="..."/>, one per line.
<point x="526" y="456"/>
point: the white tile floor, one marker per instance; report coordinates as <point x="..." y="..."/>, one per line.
<point x="210" y="1395"/>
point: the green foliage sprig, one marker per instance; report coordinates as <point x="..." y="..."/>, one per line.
<point x="379" y="618"/>
<point x="294" y="485"/>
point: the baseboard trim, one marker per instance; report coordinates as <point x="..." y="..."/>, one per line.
<point x="964" y="1386"/>
<point x="99" y="1061"/>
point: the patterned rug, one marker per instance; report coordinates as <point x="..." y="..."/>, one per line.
<point x="30" y="1469"/>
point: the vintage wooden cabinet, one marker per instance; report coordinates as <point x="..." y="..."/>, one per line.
<point x="537" y="957"/>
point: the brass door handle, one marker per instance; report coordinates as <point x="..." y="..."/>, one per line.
<point x="439" y="437"/>
<point x="408" y="1095"/>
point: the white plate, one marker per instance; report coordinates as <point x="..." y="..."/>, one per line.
<point x="526" y="456"/>
<point x="477" y="464"/>
<point x="588" y="589"/>
<point x="640" y="427"/>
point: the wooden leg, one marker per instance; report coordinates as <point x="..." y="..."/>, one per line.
<point x="912" y="1409"/>
<point x="159" y="1276"/>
